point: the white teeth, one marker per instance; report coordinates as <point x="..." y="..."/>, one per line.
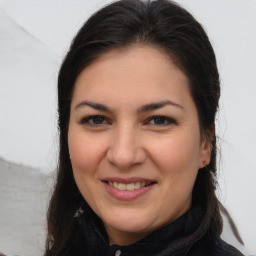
<point x="137" y="185"/>
<point x="122" y="186"/>
<point x="115" y="185"/>
<point x="130" y="186"/>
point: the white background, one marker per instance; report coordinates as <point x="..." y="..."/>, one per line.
<point x="34" y="35"/>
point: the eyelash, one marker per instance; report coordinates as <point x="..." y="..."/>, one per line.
<point x="167" y="121"/>
<point x="89" y="118"/>
<point x="164" y="118"/>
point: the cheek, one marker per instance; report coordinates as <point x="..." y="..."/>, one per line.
<point x="86" y="156"/>
<point x="175" y="153"/>
<point x="86" y="152"/>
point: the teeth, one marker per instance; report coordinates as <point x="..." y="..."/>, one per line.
<point x="122" y="186"/>
<point x="137" y="185"/>
<point x="115" y="185"/>
<point x="130" y="186"/>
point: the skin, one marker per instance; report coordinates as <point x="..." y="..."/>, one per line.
<point x="127" y="141"/>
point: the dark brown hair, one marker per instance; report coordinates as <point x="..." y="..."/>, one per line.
<point x="162" y="24"/>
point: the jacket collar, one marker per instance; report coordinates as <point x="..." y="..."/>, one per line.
<point x="178" y="235"/>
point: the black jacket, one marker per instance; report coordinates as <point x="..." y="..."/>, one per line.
<point x="184" y="237"/>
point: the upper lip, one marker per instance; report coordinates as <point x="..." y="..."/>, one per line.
<point x="128" y="180"/>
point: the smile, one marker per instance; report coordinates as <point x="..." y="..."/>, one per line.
<point x="129" y="186"/>
<point x="128" y="189"/>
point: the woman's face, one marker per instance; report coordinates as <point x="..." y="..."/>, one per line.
<point x="134" y="141"/>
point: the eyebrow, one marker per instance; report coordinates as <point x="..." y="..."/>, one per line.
<point x="157" y="105"/>
<point x="144" y="108"/>
<point x="94" y="105"/>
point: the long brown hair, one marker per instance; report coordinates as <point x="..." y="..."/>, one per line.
<point x="162" y="24"/>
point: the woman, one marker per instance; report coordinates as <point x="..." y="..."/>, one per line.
<point x="138" y="93"/>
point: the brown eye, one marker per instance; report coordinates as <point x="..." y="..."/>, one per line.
<point x="97" y="120"/>
<point x="94" y="120"/>
<point x="160" y="121"/>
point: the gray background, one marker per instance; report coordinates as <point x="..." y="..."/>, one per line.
<point x="34" y="35"/>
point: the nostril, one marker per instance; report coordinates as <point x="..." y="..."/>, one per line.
<point x="126" y="157"/>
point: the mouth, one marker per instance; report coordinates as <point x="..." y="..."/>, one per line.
<point x="129" y="186"/>
<point x="128" y="189"/>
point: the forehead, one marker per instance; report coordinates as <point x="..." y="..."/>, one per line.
<point x="138" y="73"/>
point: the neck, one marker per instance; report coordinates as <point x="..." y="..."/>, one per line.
<point x="123" y="238"/>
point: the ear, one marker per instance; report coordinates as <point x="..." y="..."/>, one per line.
<point x="206" y="147"/>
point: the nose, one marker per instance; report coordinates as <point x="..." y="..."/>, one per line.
<point x="125" y="149"/>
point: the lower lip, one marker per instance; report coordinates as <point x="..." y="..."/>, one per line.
<point x="127" y="194"/>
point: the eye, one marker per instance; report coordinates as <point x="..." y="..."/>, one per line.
<point x="160" y="121"/>
<point x="95" y="120"/>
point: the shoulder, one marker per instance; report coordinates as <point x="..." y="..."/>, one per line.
<point x="213" y="246"/>
<point x="223" y="247"/>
